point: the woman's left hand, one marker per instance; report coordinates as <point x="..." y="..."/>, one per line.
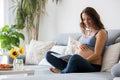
<point x="83" y="47"/>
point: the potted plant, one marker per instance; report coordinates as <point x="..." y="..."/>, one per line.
<point x="10" y="37"/>
<point x="28" y="14"/>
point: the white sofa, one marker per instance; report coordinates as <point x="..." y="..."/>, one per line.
<point x="42" y="71"/>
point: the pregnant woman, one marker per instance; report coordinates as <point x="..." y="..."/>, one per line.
<point x="89" y="54"/>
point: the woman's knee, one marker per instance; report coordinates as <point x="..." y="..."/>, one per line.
<point x="76" y="57"/>
<point x="48" y="54"/>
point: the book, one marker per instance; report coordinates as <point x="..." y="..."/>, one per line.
<point x="62" y="56"/>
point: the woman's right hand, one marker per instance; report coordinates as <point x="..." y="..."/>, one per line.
<point x="81" y="48"/>
<point x="78" y="49"/>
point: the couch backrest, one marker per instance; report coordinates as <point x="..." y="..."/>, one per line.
<point x="62" y="39"/>
<point x="113" y="36"/>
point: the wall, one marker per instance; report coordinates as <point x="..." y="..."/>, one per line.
<point x="64" y="17"/>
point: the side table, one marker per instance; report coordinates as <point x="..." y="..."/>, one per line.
<point x="12" y="72"/>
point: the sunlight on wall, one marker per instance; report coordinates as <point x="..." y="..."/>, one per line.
<point x="1" y="13"/>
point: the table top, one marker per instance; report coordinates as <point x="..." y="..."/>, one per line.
<point x="27" y="71"/>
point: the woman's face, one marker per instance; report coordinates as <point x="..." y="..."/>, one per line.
<point x="87" y="21"/>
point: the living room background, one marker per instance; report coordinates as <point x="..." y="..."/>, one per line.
<point x="65" y="16"/>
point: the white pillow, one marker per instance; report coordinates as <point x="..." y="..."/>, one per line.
<point x="44" y="62"/>
<point x="58" y="49"/>
<point x="72" y="44"/>
<point x="111" y="57"/>
<point x="37" y="50"/>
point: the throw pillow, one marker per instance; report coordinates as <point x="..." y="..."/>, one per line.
<point x="111" y="57"/>
<point x="44" y="62"/>
<point x="37" y="50"/>
<point x="117" y="40"/>
<point x="58" y="49"/>
<point x="115" y="71"/>
<point x="72" y="44"/>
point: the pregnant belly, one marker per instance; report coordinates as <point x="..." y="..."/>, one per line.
<point x="85" y="54"/>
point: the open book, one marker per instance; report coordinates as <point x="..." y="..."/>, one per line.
<point x="62" y="56"/>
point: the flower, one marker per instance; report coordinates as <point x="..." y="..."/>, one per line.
<point x="17" y="53"/>
<point x="21" y="50"/>
<point x="13" y="53"/>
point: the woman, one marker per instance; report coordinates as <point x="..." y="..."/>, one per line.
<point x="88" y="55"/>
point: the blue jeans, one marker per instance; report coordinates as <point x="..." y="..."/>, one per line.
<point x="75" y="64"/>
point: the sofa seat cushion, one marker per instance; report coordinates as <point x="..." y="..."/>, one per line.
<point x="43" y="73"/>
<point x="116" y="78"/>
<point x="39" y="69"/>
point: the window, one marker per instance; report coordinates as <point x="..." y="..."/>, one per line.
<point x="1" y="13"/>
<point x="1" y="16"/>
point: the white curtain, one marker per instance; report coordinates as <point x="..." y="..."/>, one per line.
<point x="9" y="15"/>
<point x="1" y="13"/>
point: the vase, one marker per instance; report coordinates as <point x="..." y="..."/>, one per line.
<point x="18" y="64"/>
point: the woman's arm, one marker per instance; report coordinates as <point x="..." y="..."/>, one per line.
<point x="81" y="47"/>
<point x="101" y="38"/>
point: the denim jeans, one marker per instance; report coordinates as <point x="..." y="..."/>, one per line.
<point x="75" y="64"/>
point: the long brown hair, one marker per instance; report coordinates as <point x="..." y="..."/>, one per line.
<point x="95" y="18"/>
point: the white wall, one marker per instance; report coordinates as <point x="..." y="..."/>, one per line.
<point x="64" y="17"/>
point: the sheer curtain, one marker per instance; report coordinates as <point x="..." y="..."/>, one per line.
<point x="9" y="14"/>
<point x="1" y="13"/>
<point x="1" y="18"/>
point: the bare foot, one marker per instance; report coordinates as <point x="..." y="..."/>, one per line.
<point x="54" y="70"/>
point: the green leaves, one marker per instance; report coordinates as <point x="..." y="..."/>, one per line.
<point x="5" y="28"/>
<point x="10" y="37"/>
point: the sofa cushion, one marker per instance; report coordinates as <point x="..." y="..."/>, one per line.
<point x="115" y="71"/>
<point x="44" y="62"/>
<point x="62" y="39"/>
<point x="42" y="73"/>
<point x="117" y="40"/>
<point x="37" y="50"/>
<point x="58" y="49"/>
<point x="72" y="44"/>
<point x="111" y="57"/>
<point x="113" y="35"/>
